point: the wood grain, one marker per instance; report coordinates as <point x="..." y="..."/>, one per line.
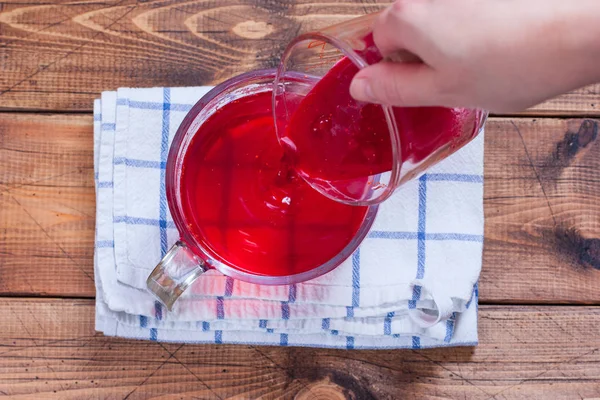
<point x="581" y="102"/>
<point x="59" y="56"/>
<point x="47" y="205"/>
<point x="542" y="207"/>
<point x="542" y="211"/>
<point x="48" y="347"/>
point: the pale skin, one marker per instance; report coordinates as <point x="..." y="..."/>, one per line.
<point x="500" y="55"/>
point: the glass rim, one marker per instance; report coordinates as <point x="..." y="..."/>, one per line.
<point x="184" y="133"/>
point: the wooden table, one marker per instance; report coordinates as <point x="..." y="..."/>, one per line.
<point x="539" y="319"/>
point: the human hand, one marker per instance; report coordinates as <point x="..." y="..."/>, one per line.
<point x="501" y="55"/>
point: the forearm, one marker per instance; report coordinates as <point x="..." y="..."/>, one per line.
<point x="579" y="26"/>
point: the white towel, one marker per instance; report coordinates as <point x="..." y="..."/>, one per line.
<point x="411" y="284"/>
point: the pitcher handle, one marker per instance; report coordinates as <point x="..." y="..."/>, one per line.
<point x="174" y="274"/>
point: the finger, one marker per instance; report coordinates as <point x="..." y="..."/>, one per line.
<point x="393" y="28"/>
<point x="396" y="84"/>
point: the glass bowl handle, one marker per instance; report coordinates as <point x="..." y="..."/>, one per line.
<point x="174" y="274"/>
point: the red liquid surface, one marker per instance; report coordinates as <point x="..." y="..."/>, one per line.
<point x="330" y="136"/>
<point x="244" y="202"/>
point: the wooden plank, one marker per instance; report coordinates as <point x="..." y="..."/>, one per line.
<point x="531" y="255"/>
<point x="59" y="56"/>
<point x="542" y="211"/>
<point x="581" y="102"/>
<point x="48" y="348"/>
<point x="47" y="205"/>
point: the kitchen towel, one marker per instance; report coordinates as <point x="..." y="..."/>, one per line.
<point x="411" y="284"/>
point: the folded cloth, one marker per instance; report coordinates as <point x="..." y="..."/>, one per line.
<point x="411" y="284"/>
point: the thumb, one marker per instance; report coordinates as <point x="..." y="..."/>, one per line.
<point x="396" y="84"/>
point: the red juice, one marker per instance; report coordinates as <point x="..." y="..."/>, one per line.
<point x="242" y="200"/>
<point x="332" y="137"/>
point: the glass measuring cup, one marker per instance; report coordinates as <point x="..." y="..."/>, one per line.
<point x="354" y="152"/>
<point x="197" y="252"/>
